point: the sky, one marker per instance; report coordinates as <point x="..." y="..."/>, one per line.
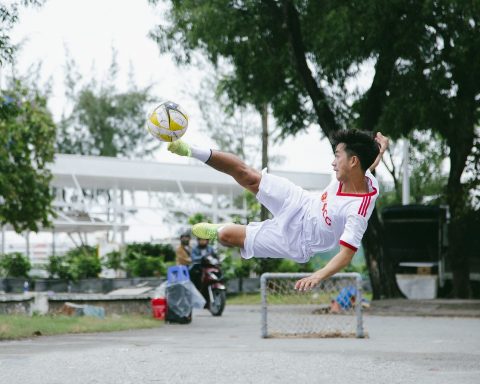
<point x="90" y="28"/>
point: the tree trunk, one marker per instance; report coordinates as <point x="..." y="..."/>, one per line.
<point x="460" y="145"/>
<point x="380" y="267"/>
<point x="263" y="210"/>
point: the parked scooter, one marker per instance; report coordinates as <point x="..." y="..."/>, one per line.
<point x="212" y="285"/>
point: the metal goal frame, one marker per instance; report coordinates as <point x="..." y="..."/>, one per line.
<point x="356" y="279"/>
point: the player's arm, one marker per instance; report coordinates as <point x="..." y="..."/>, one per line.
<point x="336" y="264"/>
<point x="383" y="143"/>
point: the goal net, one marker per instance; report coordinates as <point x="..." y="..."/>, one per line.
<point x="331" y="309"/>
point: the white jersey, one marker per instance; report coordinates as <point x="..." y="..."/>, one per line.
<point x="335" y="217"/>
<point x="306" y="223"/>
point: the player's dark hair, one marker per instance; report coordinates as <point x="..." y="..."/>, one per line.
<point x="358" y="143"/>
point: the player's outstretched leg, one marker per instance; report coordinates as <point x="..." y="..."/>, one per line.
<point x="232" y="235"/>
<point x="246" y="176"/>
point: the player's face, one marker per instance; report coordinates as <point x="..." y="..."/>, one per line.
<point x="340" y="163"/>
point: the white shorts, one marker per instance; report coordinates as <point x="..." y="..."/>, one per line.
<point x="281" y="236"/>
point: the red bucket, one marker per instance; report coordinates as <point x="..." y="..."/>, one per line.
<point x="159" y="307"/>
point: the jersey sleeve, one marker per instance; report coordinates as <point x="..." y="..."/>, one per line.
<point x="354" y="229"/>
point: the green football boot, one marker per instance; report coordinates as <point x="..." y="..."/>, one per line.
<point x="180" y="148"/>
<point x="207" y="230"/>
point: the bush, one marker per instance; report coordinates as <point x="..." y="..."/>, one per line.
<point x="15" y="264"/>
<point x="139" y="265"/>
<point x="78" y="263"/>
<point x="145" y="259"/>
<point x="84" y="262"/>
<point x="163" y="251"/>
<point x="114" y="260"/>
<point x="58" y="267"/>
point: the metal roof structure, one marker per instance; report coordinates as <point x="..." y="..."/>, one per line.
<point x="118" y="175"/>
<point x="108" y="173"/>
<point x="74" y="174"/>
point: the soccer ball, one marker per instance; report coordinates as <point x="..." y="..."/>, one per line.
<point x="167" y="122"/>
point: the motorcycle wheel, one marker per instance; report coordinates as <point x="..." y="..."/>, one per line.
<point x="218" y="304"/>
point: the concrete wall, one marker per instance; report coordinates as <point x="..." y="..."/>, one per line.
<point x="52" y="302"/>
<point x="27" y="304"/>
<point x="16" y="285"/>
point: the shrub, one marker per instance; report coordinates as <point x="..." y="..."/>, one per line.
<point x="15" y="264"/>
<point x="114" y="260"/>
<point x="58" y="267"/>
<point x="142" y="259"/>
<point x="163" y="251"/>
<point x="140" y="265"/>
<point x="78" y="263"/>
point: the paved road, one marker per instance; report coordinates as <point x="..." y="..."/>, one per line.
<point x="418" y="350"/>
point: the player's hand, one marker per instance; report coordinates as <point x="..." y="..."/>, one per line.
<point x="382" y="141"/>
<point x="307" y="283"/>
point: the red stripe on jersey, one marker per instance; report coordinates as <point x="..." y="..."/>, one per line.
<point x="345" y="244"/>
<point x="368" y="204"/>
<point x="365" y="208"/>
<point x="361" y="206"/>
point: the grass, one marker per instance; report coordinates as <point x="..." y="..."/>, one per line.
<point x="296" y="298"/>
<point x="17" y="326"/>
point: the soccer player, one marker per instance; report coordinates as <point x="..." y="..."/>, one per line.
<point x="303" y="223"/>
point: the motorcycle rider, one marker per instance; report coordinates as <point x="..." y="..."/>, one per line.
<point x="203" y="249"/>
<point x="184" y="250"/>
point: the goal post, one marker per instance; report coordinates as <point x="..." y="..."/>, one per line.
<point x="332" y="309"/>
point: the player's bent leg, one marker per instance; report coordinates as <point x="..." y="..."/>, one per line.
<point x="232" y="235"/>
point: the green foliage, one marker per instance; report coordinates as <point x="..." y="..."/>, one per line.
<point x="163" y="251"/>
<point x="197" y="218"/>
<point x="113" y="260"/>
<point x="137" y="259"/>
<point x="253" y="42"/>
<point x="291" y="266"/>
<point x="428" y="176"/>
<point x="302" y="57"/>
<point x="26" y="147"/>
<point x="84" y="262"/>
<point x="57" y="267"/>
<point x="142" y="259"/>
<point x="14" y="264"/>
<point x="78" y="263"/>
<point x="21" y="326"/>
<point x="103" y="120"/>
<point x="139" y="265"/>
<point x="8" y="18"/>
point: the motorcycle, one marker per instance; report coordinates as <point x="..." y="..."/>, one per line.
<point x="212" y="285"/>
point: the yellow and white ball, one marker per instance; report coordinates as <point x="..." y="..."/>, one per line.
<point x="167" y="122"/>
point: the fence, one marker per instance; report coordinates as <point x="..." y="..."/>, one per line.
<point x="332" y="309"/>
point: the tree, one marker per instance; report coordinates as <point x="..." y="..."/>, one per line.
<point x="426" y="169"/>
<point x="263" y="46"/>
<point x="26" y="147"/>
<point x="438" y="82"/>
<point x="104" y="121"/>
<point x="302" y="56"/>
<point x="26" y="140"/>
<point x="8" y="18"/>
